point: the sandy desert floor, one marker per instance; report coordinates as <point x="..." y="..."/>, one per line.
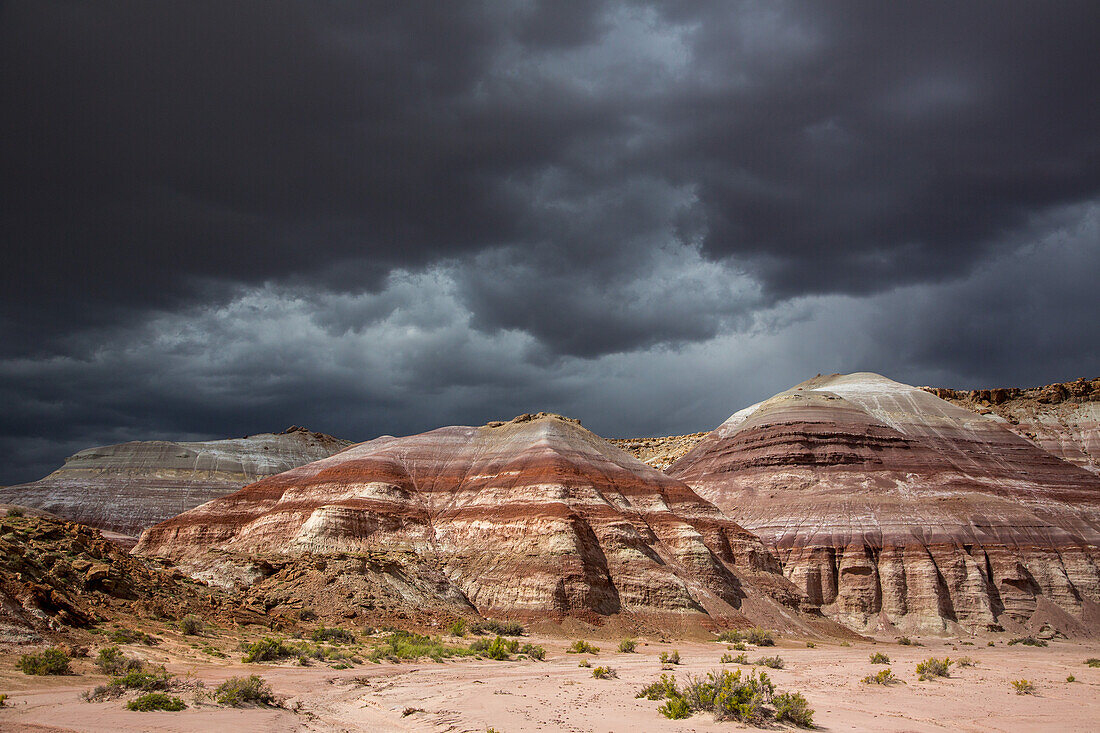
<point x="558" y="695"/>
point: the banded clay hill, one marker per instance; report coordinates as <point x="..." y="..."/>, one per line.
<point x="127" y="487"/>
<point x="894" y="508"/>
<point x="534" y="518"/>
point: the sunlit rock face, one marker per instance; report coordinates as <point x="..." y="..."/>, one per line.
<point x="532" y="516"/>
<point x="890" y="506"/>
<point x="128" y="487"/>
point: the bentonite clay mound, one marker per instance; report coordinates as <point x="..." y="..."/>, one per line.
<point x="888" y="505"/>
<point x="128" y="487"/>
<point x="1063" y="419"/>
<point x="536" y="516"/>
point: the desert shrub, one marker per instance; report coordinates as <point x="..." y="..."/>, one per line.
<point x="336" y="635"/>
<point x="964" y="662"/>
<point x="882" y="677"/>
<point x="130" y="636"/>
<point x="3" y="700"/>
<point x="906" y="641"/>
<point x="51" y="661"/>
<point x="742" y="659"/>
<point x="732" y="696"/>
<point x="675" y="708"/>
<point x="810" y="645"/>
<point x="603" y="673"/>
<point x="990" y="644"/>
<point x="499" y="648"/>
<point x="879" y="658"/>
<point x="793" y="708"/>
<point x="730" y="636"/>
<point x="267" y="649"/>
<point x="627" y="646"/>
<point x="533" y="651"/>
<point x="1093" y="662"/>
<point x="672" y="657"/>
<point x="237" y="691"/>
<point x="458" y="628"/>
<point x="399" y="645"/>
<point x="501" y="628"/>
<point x="1023" y="687"/>
<point x="740" y="646"/>
<point x="410" y="711"/>
<point x="727" y="658"/>
<point x="584" y="663"/>
<point x="111" y="661"/>
<point x="760" y="637"/>
<point x="191" y="625"/>
<point x="662" y="688"/>
<point x="156" y="701"/>
<point x="775" y="662"/>
<point x="580" y="646"/>
<point x="931" y="668"/>
<point x="142" y="679"/>
<point x="1028" y="641"/>
<point x="1071" y="678"/>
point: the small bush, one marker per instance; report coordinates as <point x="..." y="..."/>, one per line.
<point x="129" y="636"/>
<point x="675" y="708"/>
<point x="879" y="658"/>
<point x="584" y="663"/>
<point x="580" y="646"/>
<point x="730" y="636"/>
<point x="727" y="658"/>
<point x="156" y="701"/>
<point x="237" y="691"/>
<point x="51" y="661"/>
<point x="111" y="662"/>
<point x="628" y="646"/>
<point x="399" y="645"/>
<point x="1028" y="641"/>
<point x="931" y="668"/>
<point x="499" y="648"/>
<point x="533" y="651"/>
<point x="775" y="662"/>
<point x="906" y="641"/>
<point x="793" y="708"/>
<point x="1093" y="662"/>
<point x="731" y="696"/>
<point x="964" y="662"/>
<point x="501" y="628"/>
<point x="147" y="680"/>
<point x="760" y="637"/>
<point x="3" y="700"/>
<point x="336" y="636"/>
<point x="604" y="673"/>
<point x="458" y="628"/>
<point x="810" y="645"/>
<point x="1023" y="687"/>
<point x="1071" y="678"/>
<point x="191" y="625"/>
<point x="661" y="689"/>
<point x="882" y="677"/>
<point x="670" y="658"/>
<point x="740" y="646"/>
<point x="742" y="659"/>
<point x="267" y="649"/>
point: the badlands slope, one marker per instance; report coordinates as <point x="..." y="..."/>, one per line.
<point x="535" y="517"/>
<point x="128" y="487"/>
<point x="889" y="506"/>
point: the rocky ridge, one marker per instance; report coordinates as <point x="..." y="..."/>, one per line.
<point x="532" y="517"/>
<point x="130" y="486"/>
<point x="892" y="507"/>
<point x="659" y="452"/>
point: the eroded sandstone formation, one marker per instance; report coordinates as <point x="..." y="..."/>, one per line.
<point x="1063" y="419"/>
<point x="888" y="505"/>
<point x="536" y="516"/>
<point x="659" y="452"/>
<point x="128" y="487"/>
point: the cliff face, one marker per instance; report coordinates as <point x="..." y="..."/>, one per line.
<point x="1063" y="419"/>
<point x="532" y="516"/>
<point x="128" y="487"/>
<point x="888" y="505"/>
<point x="659" y="452"/>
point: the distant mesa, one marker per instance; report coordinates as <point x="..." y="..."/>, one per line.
<point x="892" y="507"/>
<point x="534" y="516"/>
<point x="127" y="487"/>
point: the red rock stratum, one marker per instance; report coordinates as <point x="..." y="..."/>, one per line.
<point x="533" y="516"/>
<point x="888" y="505"/>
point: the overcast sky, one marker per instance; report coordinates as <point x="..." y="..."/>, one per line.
<point x="225" y="218"/>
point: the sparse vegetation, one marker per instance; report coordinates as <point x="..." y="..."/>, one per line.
<point x="1023" y="687"/>
<point x="672" y="657"/>
<point x="458" y="628"/>
<point x="792" y="707"/>
<point x="500" y="628"/>
<point x="775" y="662"/>
<point x="3" y="699"/>
<point x="932" y="668"/>
<point x="237" y="691"/>
<point x="335" y="635"/>
<point x="879" y="658"/>
<point x="111" y="661"/>
<point x="659" y="690"/>
<point x="1071" y="678"/>
<point x="267" y="649"/>
<point x="51" y="661"/>
<point x="675" y="708"/>
<point x="533" y="651"/>
<point x="398" y="645"/>
<point x="1028" y="641"/>
<point x="584" y="663"/>
<point x="580" y="646"/>
<point x="729" y="696"/>
<point x="191" y="625"/>
<point x="727" y="658"/>
<point x="906" y="641"/>
<point x="151" y="701"/>
<point x="964" y="662"/>
<point x="141" y="679"/>
<point x="760" y="637"/>
<point x="882" y="677"/>
<point x="499" y="648"/>
<point x="628" y="646"/>
<point x="603" y="673"/>
<point x="130" y="636"/>
<point x="810" y="645"/>
<point x="730" y="636"/>
<point x="1093" y="662"/>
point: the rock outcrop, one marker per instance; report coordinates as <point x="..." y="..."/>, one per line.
<point x="127" y="487"/>
<point x="532" y="517"/>
<point x="889" y="506"/>
<point x="1063" y="419"/>
<point x="659" y="452"/>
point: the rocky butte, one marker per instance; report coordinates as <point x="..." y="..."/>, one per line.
<point x="127" y="487"/>
<point x="891" y="507"/>
<point x="534" y="517"/>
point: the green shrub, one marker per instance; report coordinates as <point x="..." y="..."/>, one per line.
<point x="931" y="668"/>
<point x="675" y="708"/>
<point x="793" y="708"/>
<point x="137" y="679"/>
<point x="661" y="689"/>
<point x="906" y="641"/>
<point x="580" y="646"/>
<point x="129" y="636"/>
<point x="191" y="625"/>
<point x="604" y="673"/>
<point x="1023" y="687"/>
<point x="1028" y="641"/>
<point x="760" y="637"/>
<point x="267" y="649"/>
<point x="533" y="651"/>
<point x="51" y="661"/>
<point x="336" y="635"/>
<point x="584" y="663"/>
<point x="627" y="646"/>
<point x="730" y="696"/>
<point x="964" y="662"/>
<point x="742" y="659"/>
<point x="458" y="628"/>
<point x="156" y="701"/>
<point x="727" y="658"/>
<point x="499" y="648"/>
<point x="501" y="628"/>
<point x="399" y="645"/>
<point x="879" y="658"/>
<point x="1071" y="678"/>
<point x="237" y="691"/>
<point x="1093" y="662"/>
<point x="882" y="677"/>
<point x="740" y="646"/>
<point x="810" y="645"/>
<point x="3" y="700"/>
<point x="110" y="661"/>
<point x="775" y="662"/>
<point x="670" y="657"/>
<point x="731" y="636"/>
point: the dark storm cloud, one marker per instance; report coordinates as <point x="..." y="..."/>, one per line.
<point x="222" y="217"/>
